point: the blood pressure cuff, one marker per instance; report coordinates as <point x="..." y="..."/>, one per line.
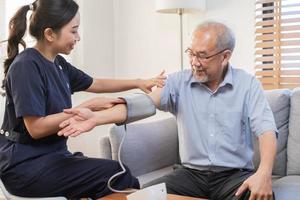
<point x="139" y="106"/>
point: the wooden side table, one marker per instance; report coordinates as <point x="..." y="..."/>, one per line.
<point x="170" y="197"/>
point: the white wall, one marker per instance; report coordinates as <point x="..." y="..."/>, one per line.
<point x="2" y="52"/>
<point x="2" y="36"/>
<point x="147" y="42"/>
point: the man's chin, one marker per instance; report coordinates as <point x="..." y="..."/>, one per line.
<point x="201" y="79"/>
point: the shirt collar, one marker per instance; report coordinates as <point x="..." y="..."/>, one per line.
<point x="228" y="79"/>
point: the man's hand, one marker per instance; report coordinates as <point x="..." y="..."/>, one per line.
<point x="260" y="186"/>
<point x="82" y="121"/>
<point x="147" y="85"/>
<point x="100" y="103"/>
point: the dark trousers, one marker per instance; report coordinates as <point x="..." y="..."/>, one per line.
<point x="69" y="176"/>
<point x="205" y="184"/>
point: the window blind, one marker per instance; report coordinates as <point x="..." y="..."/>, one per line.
<point x="277" y="43"/>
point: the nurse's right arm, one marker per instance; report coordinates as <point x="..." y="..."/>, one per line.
<point x="39" y="127"/>
<point x="85" y="120"/>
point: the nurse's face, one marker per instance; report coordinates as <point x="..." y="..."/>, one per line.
<point x="68" y="36"/>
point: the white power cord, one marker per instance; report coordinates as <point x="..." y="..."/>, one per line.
<point x="123" y="169"/>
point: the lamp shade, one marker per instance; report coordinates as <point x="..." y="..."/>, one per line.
<point x="172" y="6"/>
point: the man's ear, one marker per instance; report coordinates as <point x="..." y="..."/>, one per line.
<point x="226" y="56"/>
<point x="49" y="34"/>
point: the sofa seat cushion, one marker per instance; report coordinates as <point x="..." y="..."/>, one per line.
<point x="147" y="146"/>
<point x="287" y="188"/>
<point x="275" y="178"/>
<point x="145" y="178"/>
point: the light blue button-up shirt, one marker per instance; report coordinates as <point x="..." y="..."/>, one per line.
<point x="215" y="128"/>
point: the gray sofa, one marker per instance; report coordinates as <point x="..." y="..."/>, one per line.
<point x="151" y="149"/>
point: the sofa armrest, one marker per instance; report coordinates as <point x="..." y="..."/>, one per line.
<point x="147" y="146"/>
<point x="105" y="148"/>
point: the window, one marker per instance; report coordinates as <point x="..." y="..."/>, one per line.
<point x="277" y="43"/>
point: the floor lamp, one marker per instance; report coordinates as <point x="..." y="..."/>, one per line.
<point x="179" y="7"/>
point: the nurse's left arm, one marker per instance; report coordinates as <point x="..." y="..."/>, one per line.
<point x="260" y="183"/>
<point x="111" y="85"/>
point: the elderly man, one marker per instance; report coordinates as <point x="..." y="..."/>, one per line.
<point x="217" y="108"/>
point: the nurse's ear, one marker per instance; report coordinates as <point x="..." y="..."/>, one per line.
<point x="49" y="34"/>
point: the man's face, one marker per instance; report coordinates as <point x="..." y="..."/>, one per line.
<point x="206" y="60"/>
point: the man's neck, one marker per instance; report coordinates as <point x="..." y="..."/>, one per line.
<point x="214" y="84"/>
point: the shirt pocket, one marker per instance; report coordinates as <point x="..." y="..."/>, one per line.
<point x="233" y="127"/>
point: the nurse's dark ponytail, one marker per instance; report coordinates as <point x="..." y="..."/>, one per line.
<point x="52" y="14"/>
<point x="17" y="29"/>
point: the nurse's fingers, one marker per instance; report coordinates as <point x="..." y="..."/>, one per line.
<point x="78" y="118"/>
<point x="64" y="130"/>
<point x="75" y="134"/>
<point x="160" y="84"/>
<point x="70" y="132"/>
<point x="64" y="124"/>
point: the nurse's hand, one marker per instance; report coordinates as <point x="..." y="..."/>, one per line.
<point x="148" y="84"/>
<point x="83" y="120"/>
<point x="100" y="103"/>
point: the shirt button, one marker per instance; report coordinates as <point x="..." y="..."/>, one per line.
<point x="6" y="134"/>
<point x="1" y="131"/>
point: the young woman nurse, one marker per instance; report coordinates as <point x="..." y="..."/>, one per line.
<point x="35" y="161"/>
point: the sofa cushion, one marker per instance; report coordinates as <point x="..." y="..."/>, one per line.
<point x="287" y="188"/>
<point x="157" y="141"/>
<point x="279" y="101"/>
<point x="293" y="150"/>
<point x="105" y="148"/>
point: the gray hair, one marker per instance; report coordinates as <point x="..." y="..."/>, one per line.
<point x="225" y="36"/>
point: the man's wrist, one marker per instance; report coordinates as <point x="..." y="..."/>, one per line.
<point x="138" y="83"/>
<point x="264" y="172"/>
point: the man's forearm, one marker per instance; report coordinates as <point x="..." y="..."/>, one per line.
<point x="116" y="114"/>
<point x="267" y="147"/>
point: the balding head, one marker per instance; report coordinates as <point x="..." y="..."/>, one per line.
<point x="224" y="37"/>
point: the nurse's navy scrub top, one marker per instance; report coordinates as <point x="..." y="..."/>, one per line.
<point x="36" y="86"/>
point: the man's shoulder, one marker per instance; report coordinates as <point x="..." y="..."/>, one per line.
<point x="240" y="75"/>
<point x="241" y="72"/>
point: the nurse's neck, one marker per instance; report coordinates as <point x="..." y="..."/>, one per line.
<point x="46" y="51"/>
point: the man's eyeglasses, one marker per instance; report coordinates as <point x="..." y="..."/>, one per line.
<point x="200" y="57"/>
